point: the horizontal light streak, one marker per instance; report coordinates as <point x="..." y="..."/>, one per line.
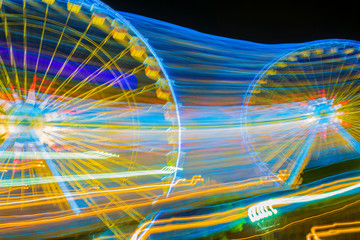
<point x="57" y="155"/>
<point x="83" y="177"/>
<point x="260" y="210"/>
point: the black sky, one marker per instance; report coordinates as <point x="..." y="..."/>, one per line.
<point x="296" y="21"/>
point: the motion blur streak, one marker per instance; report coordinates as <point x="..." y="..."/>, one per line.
<point x="118" y="126"/>
<point x="332" y="230"/>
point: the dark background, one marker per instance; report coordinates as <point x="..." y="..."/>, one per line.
<point x="293" y="22"/>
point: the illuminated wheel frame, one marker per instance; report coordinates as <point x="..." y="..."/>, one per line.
<point x="85" y="106"/>
<point x="302" y="110"/>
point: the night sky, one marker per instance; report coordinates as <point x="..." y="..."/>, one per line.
<point x="296" y="21"/>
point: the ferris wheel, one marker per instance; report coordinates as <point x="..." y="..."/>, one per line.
<point x="302" y="110"/>
<point x="84" y="105"/>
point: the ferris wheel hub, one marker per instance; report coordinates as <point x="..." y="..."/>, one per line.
<point x="322" y="112"/>
<point x="23" y="117"/>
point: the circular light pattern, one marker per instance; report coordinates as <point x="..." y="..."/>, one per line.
<point x="85" y="109"/>
<point x="302" y="110"/>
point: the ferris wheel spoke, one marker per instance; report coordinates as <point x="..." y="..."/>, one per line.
<point x="66" y="62"/>
<point x="42" y="38"/>
<point x="348" y="137"/>
<point x="50" y="163"/>
<point x="56" y="48"/>
<point x="7" y="143"/>
<point x="300" y="160"/>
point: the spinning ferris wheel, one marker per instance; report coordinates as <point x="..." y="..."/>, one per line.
<point x="302" y="110"/>
<point x="78" y="87"/>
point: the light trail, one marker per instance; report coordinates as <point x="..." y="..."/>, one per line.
<point x="260" y="210"/>
<point x="58" y="155"/>
<point x="71" y="178"/>
<point x="101" y="192"/>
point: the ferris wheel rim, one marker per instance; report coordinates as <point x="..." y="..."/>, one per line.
<point x="244" y="110"/>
